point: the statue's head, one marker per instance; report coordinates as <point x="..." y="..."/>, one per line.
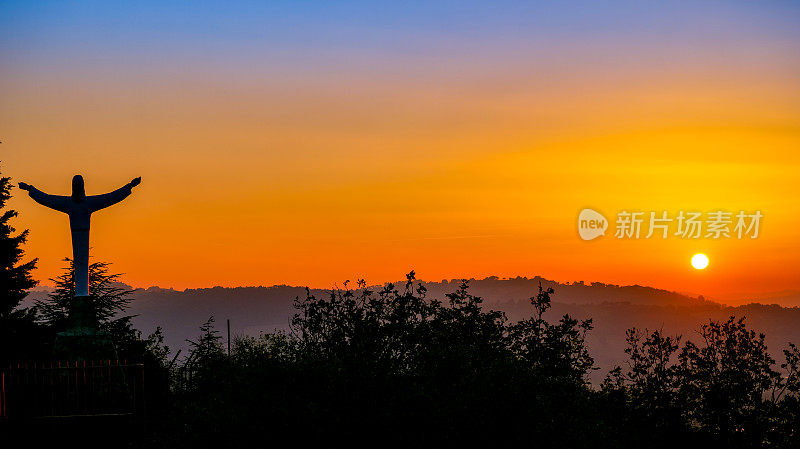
<point x="78" y="191"/>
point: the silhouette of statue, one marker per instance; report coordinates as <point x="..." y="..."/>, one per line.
<point x="80" y="207"/>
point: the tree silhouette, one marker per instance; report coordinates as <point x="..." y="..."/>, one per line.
<point x="553" y="350"/>
<point x="108" y="298"/>
<point x="725" y="391"/>
<point x="392" y="363"/>
<point x="650" y="385"/>
<point x="208" y="347"/>
<point x="725" y="381"/>
<point x="17" y="327"/>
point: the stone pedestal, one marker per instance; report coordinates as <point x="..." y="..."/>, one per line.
<point x="83" y="340"/>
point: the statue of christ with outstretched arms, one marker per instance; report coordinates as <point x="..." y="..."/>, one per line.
<point x="80" y="207"/>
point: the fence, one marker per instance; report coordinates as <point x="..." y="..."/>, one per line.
<point x="71" y="388"/>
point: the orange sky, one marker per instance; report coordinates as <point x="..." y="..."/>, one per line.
<point x="461" y="163"/>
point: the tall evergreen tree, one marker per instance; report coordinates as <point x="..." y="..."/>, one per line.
<point x="16" y="324"/>
<point x="15" y="277"/>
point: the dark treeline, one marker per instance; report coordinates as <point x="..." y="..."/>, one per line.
<point x="391" y="365"/>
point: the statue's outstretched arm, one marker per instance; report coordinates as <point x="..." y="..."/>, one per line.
<point x="97" y="202"/>
<point x="59" y="203"/>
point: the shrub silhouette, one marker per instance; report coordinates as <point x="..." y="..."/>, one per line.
<point x="725" y="391"/>
<point x="392" y="365"/>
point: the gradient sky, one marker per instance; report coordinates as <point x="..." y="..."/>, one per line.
<point x="307" y="143"/>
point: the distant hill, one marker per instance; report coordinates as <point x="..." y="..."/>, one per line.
<point x="613" y="309"/>
<point x="512" y="295"/>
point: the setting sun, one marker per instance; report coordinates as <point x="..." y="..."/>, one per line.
<point x="700" y="261"/>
